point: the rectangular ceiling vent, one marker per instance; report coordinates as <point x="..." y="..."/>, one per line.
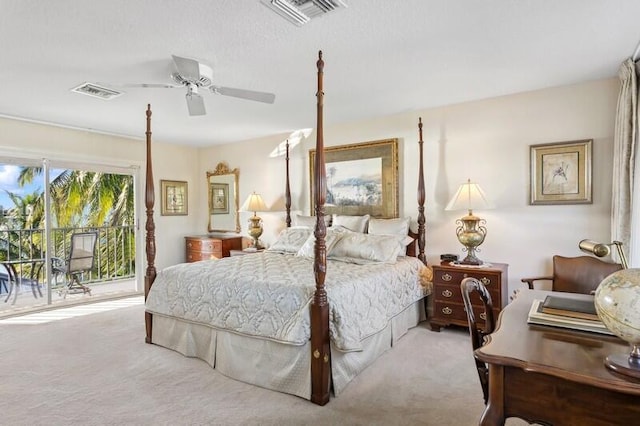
<point x="299" y="12"/>
<point x="91" y="89"/>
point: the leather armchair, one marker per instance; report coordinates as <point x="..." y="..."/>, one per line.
<point x="580" y="274"/>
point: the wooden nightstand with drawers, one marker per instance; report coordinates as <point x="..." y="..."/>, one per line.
<point x="205" y="247"/>
<point x="448" y="308"/>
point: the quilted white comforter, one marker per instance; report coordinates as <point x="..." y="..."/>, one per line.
<point x="268" y="295"/>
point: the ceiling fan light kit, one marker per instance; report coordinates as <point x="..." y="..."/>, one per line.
<point x="300" y="12"/>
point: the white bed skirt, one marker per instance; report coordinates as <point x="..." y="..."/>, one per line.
<point x="273" y="365"/>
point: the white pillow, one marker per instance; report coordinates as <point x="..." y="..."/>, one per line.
<point x="355" y="247"/>
<point x="398" y="227"/>
<point x="291" y="240"/>
<point x="309" y="221"/>
<point x="332" y="237"/>
<point x="352" y="223"/>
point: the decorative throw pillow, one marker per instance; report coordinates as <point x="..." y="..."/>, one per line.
<point x="355" y="247"/>
<point x="334" y="234"/>
<point x="291" y="239"/>
<point x="309" y="221"/>
<point x="352" y="223"/>
<point x="398" y="227"/>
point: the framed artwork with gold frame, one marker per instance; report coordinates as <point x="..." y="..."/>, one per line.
<point x="174" y="198"/>
<point x="362" y="178"/>
<point x="561" y="173"/>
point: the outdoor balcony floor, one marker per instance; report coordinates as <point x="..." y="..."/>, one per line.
<point x="26" y="303"/>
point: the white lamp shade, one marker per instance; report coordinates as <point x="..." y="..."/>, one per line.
<point x="254" y="203"/>
<point x="469" y="197"/>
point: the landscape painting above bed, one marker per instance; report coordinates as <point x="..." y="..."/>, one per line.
<point x="362" y="178"/>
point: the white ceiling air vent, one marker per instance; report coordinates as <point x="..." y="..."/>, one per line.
<point x="299" y="12"/>
<point x="91" y="89"/>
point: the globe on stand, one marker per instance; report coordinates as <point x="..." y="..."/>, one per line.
<point x="617" y="302"/>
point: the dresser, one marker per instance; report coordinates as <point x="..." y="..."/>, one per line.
<point x="205" y="247"/>
<point x="448" y="308"/>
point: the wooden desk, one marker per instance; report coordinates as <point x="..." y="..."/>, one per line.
<point x="555" y="376"/>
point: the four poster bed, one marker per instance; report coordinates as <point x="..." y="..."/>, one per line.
<point x="294" y="318"/>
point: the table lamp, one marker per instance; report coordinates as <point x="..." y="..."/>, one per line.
<point x="471" y="230"/>
<point x="254" y="203"/>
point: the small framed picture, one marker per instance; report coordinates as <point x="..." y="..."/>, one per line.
<point x="219" y="197"/>
<point x="561" y="173"/>
<point x="174" y="198"/>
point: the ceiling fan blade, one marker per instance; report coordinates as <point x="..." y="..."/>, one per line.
<point x="195" y="103"/>
<point x="189" y="69"/>
<point x="251" y="95"/>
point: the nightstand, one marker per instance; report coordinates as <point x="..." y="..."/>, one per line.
<point x="243" y="252"/>
<point x="448" y="308"/>
<point x="205" y="247"/>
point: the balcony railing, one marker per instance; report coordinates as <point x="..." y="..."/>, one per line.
<point x="114" y="256"/>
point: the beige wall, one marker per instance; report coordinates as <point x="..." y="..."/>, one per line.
<point x="487" y="141"/>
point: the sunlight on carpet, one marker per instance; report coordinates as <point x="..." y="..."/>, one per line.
<point x="74" y="311"/>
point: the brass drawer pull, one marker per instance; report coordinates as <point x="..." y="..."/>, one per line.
<point x="483" y="315"/>
<point x="447" y="293"/>
<point x="447" y="310"/>
<point x="485" y="280"/>
<point x="446" y="277"/>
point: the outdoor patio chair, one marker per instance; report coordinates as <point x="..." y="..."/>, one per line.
<point x="80" y="260"/>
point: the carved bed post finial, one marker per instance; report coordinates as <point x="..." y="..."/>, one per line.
<point x="287" y="191"/>
<point x="149" y="199"/>
<point x="320" y="349"/>
<point x="421" y="197"/>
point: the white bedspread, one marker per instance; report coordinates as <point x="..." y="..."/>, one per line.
<point x="267" y="295"/>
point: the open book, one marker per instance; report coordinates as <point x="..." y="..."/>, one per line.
<point x="537" y="316"/>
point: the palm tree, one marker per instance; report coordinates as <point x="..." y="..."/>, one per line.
<point x="82" y="199"/>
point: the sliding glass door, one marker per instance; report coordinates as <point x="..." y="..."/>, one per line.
<point x="44" y="205"/>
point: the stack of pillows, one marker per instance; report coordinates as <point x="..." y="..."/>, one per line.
<point x="353" y="239"/>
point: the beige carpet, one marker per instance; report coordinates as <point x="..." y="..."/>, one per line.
<point x="97" y="370"/>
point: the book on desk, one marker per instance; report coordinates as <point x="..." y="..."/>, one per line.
<point x="538" y="316"/>
<point x="570" y="307"/>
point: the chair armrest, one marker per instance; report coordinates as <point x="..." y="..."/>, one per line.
<point x="530" y="281"/>
<point x="58" y="265"/>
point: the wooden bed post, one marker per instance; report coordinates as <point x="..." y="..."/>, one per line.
<point x="320" y="348"/>
<point x="287" y="190"/>
<point x="421" y="197"/>
<point x="149" y="200"/>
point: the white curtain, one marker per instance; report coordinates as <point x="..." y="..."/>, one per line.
<point x="624" y="227"/>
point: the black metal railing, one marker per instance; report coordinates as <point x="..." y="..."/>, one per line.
<point x="114" y="256"/>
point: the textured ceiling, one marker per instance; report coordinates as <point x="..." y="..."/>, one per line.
<point x="382" y="57"/>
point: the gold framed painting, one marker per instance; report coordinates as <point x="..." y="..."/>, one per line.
<point x="362" y="178"/>
<point x="561" y="172"/>
<point x="174" y="201"/>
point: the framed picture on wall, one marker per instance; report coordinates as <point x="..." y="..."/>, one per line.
<point x="362" y="178"/>
<point x="174" y="200"/>
<point x="561" y="173"/>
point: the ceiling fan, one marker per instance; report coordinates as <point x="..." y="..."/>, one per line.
<point x="194" y="76"/>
